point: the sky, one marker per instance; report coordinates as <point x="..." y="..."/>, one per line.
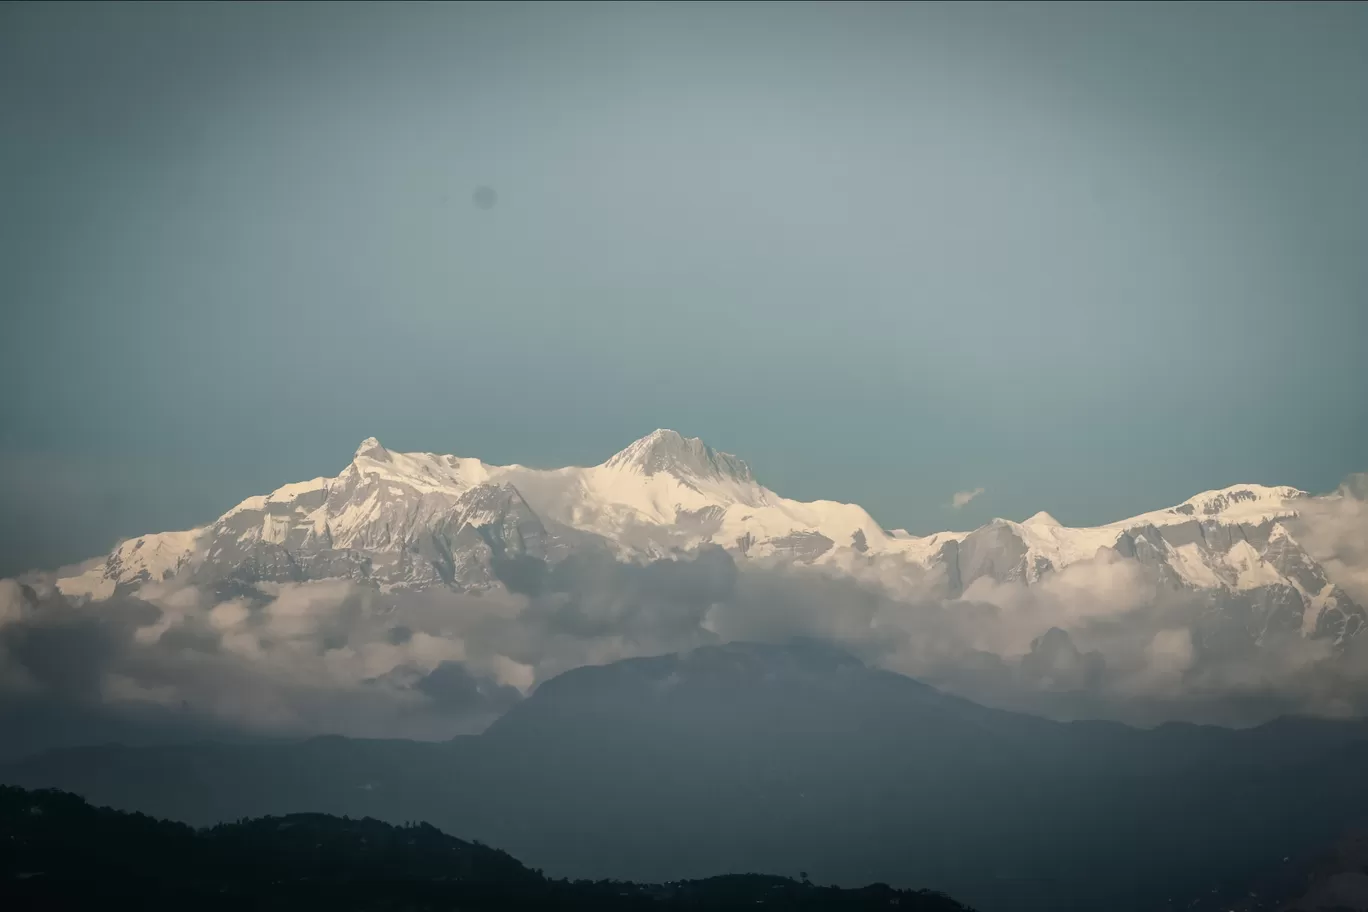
<point x="1090" y="259"/>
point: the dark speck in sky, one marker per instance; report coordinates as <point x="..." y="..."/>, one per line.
<point x="485" y="197"/>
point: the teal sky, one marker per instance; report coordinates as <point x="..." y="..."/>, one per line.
<point x="1090" y="258"/>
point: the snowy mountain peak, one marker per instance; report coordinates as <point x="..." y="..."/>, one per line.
<point x="1238" y="499"/>
<point x="664" y="450"/>
<point x="370" y="448"/>
<point x="1042" y="519"/>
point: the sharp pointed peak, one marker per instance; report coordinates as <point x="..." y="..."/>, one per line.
<point x="370" y="448"/>
<point x="659" y="440"/>
<point x="1041" y="519"/>
<point x="666" y="450"/>
<point x="665" y="438"/>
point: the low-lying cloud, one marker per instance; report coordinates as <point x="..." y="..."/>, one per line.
<point x="1334" y="531"/>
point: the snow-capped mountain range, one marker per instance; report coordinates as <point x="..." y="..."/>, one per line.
<point x="418" y="520"/>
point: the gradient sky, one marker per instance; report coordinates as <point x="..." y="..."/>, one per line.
<point x="1090" y="258"/>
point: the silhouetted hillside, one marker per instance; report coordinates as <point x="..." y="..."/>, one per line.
<point x="57" y="851"/>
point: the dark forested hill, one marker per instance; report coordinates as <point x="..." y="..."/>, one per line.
<point x="59" y="852"/>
